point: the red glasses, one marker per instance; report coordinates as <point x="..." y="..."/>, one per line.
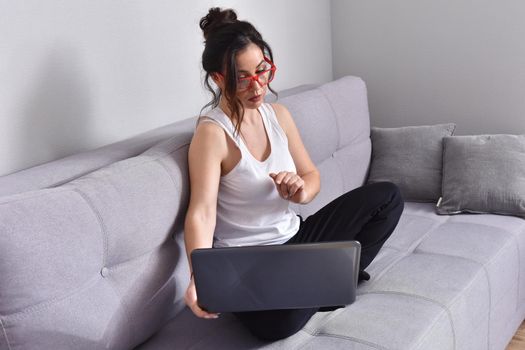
<point x="264" y="75"/>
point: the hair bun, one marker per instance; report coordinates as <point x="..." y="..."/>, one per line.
<point x="216" y="18"/>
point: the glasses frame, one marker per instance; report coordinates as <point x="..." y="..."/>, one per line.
<point x="255" y="77"/>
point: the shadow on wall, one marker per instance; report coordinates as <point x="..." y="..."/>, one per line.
<point x="56" y="113"/>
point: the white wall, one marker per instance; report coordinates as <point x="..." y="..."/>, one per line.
<point x="429" y="62"/>
<point x="80" y="74"/>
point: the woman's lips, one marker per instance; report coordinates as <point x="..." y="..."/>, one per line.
<point x="255" y="98"/>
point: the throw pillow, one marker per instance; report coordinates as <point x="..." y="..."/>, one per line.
<point x="411" y="157"/>
<point x="483" y="174"/>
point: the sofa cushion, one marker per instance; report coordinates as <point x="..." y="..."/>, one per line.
<point x="410" y="157"/>
<point x="334" y="124"/>
<point x="61" y="171"/>
<point x="446" y="290"/>
<point x="94" y="263"/>
<point x="484" y="174"/>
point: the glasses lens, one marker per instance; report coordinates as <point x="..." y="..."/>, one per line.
<point x="263" y="77"/>
<point x="243" y="83"/>
<point x="271" y="74"/>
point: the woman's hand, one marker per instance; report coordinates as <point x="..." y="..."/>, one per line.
<point x="290" y="186"/>
<point x="191" y="300"/>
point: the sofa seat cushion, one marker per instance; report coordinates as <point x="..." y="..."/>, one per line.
<point x="466" y="264"/>
<point x="445" y="279"/>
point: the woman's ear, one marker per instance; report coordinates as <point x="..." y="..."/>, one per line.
<point x="218" y="79"/>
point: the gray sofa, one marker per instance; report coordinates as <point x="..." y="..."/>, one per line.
<point x="92" y="253"/>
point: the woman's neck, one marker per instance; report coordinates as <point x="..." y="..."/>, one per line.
<point x="251" y="115"/>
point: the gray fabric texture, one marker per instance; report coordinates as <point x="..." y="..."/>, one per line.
<point x="410" y="157"/>
<point x="90" y="264"/>
<point x="484" y="174"/>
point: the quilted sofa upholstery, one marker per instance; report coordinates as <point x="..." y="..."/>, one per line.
<point x="93" y="258"/>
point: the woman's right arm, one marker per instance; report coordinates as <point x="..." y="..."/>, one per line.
<point x="207" y="150"/>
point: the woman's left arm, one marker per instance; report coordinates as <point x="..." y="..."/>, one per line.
<point x="305" y="185"/>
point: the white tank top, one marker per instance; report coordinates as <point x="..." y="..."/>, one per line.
<point x="249" y="208"/>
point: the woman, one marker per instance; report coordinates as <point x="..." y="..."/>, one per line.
<point x="247" y="162"/>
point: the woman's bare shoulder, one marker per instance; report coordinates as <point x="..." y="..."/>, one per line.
<point x="209" y="137"/>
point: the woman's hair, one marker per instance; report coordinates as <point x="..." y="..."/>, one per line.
<point x="224" y="37"/>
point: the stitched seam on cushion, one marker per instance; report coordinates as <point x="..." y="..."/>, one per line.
<point x="148" y="160"/>
<point x="406" y="253"/>
<point x="485" y="269"/>
<point x="65" y="190"/>
<point x="432" y="301"/>
<point x="455" y="299"/>
<point x="376" y="279"/>
<point x="424" y="335"/>
<point x="335" y="117"/>
<point x="393" y="248"/>
<point x="104" y="229"/>
<point x="342" y="170"/>
<point x="519" y="264"/>
<point x="327" y="319"/>
<point x="62" y="182"/>
<point x="342" y="173"/>
<point x="160" y="289"/>
<point x="426" y="217"/>
<point x="99" y="217"/>
<point x="101" y="223"/>
<point x="177" y="187"/>
<point x="5" y="334"/>
<point x="118" y="266"/>
<point x="26" y="198"/>
<point x="413" y="246"/>
<point x="357" y="340"/>
<point x="43" y="305"/>
<point x="489" y="313"/>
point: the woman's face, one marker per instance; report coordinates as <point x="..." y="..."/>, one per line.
<point x="249" y="62"/>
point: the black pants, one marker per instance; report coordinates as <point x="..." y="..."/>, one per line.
<point x="367" y="214"/>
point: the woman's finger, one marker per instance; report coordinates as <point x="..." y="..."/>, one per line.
<point x="288" y="178"/>
<point x="191" y="300"/>
<point x="284" y="190"/>
<point x="204" y="314"/>
<point x="197" y="310"/>
<point x="280" y="186"/>
<point x="279" y="178"/>
<point x="298" y="184"/>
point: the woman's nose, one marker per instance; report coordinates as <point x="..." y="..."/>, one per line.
<point x="256" y="85"/>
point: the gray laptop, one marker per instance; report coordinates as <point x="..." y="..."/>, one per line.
<point x="276" y="276"/>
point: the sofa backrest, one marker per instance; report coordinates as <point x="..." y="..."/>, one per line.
<point x="334" y="123"/>
<point x="63" y="170"/>
<point x="99" y="262"/>
<point x="90" y="264"/>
